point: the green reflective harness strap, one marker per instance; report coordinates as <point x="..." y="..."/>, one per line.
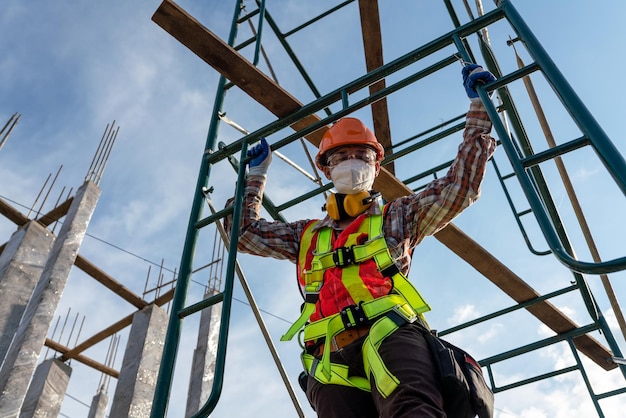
<point x="307" y="311"/>
<point x="405" y="305"/>
<point x="386" y="382"/>
<point x="371" y="309"/>
<point x="336" y="325"/>
<point x="324" y="244"/>
<point x="314" y="280"/>
<point x="384" y="261"/>
<point x="331" y="326"/>
<point x="362" y="252"/>
<point x="338" y="374"/>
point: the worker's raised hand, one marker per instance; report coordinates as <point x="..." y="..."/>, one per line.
<point x="474" y="74"/>
<point x="260" y="158"/>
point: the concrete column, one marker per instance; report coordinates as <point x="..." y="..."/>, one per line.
<point x="99" y="405"/>
<point x="203" y="364"/>
<point x="47" y="390"/>
<point x="21" y="359"/>
<point x="135" y="386"/>
<point x="21" y="264"/>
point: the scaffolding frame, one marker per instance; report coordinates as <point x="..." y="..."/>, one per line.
<point x="303" y="118"/>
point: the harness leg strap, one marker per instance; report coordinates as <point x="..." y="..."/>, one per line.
<point x="386" y="382"/>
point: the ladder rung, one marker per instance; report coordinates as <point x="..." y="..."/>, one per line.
<point x="555" y="152"/>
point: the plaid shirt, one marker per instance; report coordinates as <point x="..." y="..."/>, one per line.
<point x="408" y="219"/>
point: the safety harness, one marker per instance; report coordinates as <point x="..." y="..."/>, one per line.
<point x="385" y="314"/>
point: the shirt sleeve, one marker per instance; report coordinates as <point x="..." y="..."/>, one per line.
<point x="412" y="218"/>
<point x="258" y="236"/>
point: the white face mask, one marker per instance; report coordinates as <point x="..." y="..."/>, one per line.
<point x="353" y="176"/>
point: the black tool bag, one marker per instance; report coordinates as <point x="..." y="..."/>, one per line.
<point x="463" y="387"/>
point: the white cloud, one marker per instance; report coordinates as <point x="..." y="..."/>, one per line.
<point x="463" y="314"/>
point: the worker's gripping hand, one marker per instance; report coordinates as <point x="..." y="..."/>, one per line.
<point x="474" y="74"/>
<point x="260" y="158"/>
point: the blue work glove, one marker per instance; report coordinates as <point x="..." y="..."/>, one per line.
<point x="261" y="157"/>
<point x="474" y="74"/>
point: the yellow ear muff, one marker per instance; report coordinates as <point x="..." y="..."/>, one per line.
<point x="332" y="208"/>
<point x="341" y="206"/>
<point x="354" y="204"/>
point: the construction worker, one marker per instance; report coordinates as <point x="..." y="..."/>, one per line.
<point x="363" y="320"/>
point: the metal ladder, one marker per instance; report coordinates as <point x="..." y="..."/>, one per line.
<point x="524" y="161"/>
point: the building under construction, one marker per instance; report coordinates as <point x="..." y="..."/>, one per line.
<point x="526" y="257"/>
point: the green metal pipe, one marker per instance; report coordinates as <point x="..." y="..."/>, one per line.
<point x="583" y="373"/>
<point x="318" y="17"/>
<point x="287" y="47"/>
<point x="172" y="337"/>
<point x="220" y="359"/>
<point x="607" y="152"/>
<point x="538" y="378"/>
<point x="203" y="304"/>
<point x="554" y="152"/>
<point x="521" y="305"/>
<point x="428" y="131"/>
<point x="517" y="214"/>
<point x="576" y="332"/>
<point x="259" y="34"/>
<point x="365" y="81"/>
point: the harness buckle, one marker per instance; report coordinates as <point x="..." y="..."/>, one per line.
<point x="353" y="316"/>
<point x="402" y="314"/>
<point x="312" y="292"/>
<point x="343" y="256"/>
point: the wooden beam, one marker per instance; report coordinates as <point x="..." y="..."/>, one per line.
<point x="109" y="282"/>
<point x="232" y="65"/>
<point x="12" y="214"/>
<point x="95" y="339"/>
<point x="242" y="73"/>
<point x="219" y="55"/>
<point x="20" y="219"/>
<point x="56" y="213"/>
<point x="373" y="47"/>
<point x="82" y="359"/>
<point x="112" y="329"/>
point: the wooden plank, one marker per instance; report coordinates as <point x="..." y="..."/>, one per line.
<point x="109" y="282"/>
<point x="219" y="55"/>
<point x="56" y="213"/>
<point x="82" y="359"/>
<point x="112" y="329"/>
<point x="236" y="68"/>
<point x="20" y="219"/>
<point x="373" y="47"/>
<point x="12" y="214"/>
<point x="100" y="336"/>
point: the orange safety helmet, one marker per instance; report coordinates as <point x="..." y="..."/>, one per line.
<point x="347" y="131"/>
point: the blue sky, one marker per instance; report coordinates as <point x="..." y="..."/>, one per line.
<point x="70" y="68"/>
